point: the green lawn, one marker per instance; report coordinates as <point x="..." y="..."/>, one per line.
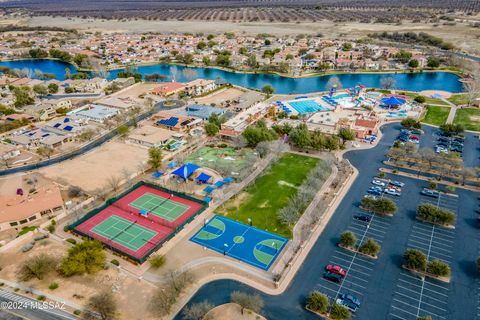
<point x="270" y="192"/>
<point x="428" y="99"/>
<point x="26" y="230"/>
<point x="458" y="99"/>
<point x="469" y="118"/>
<point x="436" y="115"/>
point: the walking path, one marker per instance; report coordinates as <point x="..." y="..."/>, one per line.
<point x="453" y="111"/>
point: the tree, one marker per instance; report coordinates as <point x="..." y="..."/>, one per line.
<point x="201" y="45"/>
<point x="370" y="247"/>
<point x="388" y="83"/>
<point x="36" y="267"/>
<point x="299" y="136"/>
<point x="403" y="56"/>
<point x="252" y="61"/>
<point x="268" y="89"/>
<point x="411" y="123"/>
<point x="123" y="130"/>
<point x="415" y="259"/>
<point x="425" y="318"/>
<point x="84" y="257"/>
<point x="431" y="213"/>
<point x="339" y="312"/>
<point x="38" y="53"/>
<point x="258" y="133"/>
<point x="52" y="88"/>
<point x="472" y="90"/>
<point x="420" y="99"/>
<point x="346" y="134"/>
<point x="211" y="129"/>
<point x="347" y="46"/>
<point x="113" y="182"/>
<point x="382" y="206"/>
<point x="438" y="268"/>
<point x="22" y="96"/>
<point x="452" y="129"/>
<point x="317" y="302"/>
<point x="433" y="62"/>
<point x="45" y="151"/>
<point x="157" y="261"/>
<point x="348" y="239"/>
<point x="40" y="89"/>
<point x="155" y="157"/>
<point x="197" y="311"/>
<point x="102" y="304"/>
<point x="413" y="63"/>
<point x="251" y="302"/>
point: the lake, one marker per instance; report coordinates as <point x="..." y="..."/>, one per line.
<point x="283" y="85"/>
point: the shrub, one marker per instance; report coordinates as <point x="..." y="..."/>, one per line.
<point x="415" y="259"/>
<point x="438" y="268"/>
<point x="71" y="240"/>
<point x="382" y="206"/>
<point x="36" y="267"/>
<point x="115" y="262"/>
<point x="77" y="312"/>
<point x="66" y="228"/>
<point x="85" y="257"/>
<point x="425" y="318"/>
<point x="370" y="247"/>
<point x="420" y="99"/>
<point x="53" y="286"/>
<point x="339" y="312"/>
<point x="51" y="228"/>
<point x="348" y="239"/>
<point x="41" y="298"/>
<point x="317" y="302"/>
<point x="157" y="261"/>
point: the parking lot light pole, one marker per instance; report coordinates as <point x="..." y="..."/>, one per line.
<point x="249" y="221"/>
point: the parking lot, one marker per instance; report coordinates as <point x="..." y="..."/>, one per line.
<point x="415" y="296"/>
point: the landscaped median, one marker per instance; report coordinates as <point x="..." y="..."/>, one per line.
<point x="369" y="248"/>
<point x="416" y="261"/>
<point x="318" y="303"/>
<point x="381" y="206"/>
<point x="432" y="214"/>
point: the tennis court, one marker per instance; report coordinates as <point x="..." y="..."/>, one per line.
<point x="124" y="232"/>
<point x="163" y="208"/>
<point x="251" y="245"/>
<point x="140" y="220"/>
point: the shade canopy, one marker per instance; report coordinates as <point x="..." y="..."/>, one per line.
<point x="186" y="170"/>
<point x="157" y="174"/>
<point x="393" y="101"/>
<point x="208" y="189"/>
<point x="203" y="177"/>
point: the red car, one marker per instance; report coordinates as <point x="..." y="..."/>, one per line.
<point x="337" y="270"/>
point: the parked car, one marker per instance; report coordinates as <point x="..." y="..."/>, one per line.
<point x="349" y="301"/>
<point x="430" y="193"/>
<point x="417" y="131"/>
<point x="374" y="192"/>
<point x="336" y="269"/>
<point x="379" y="183"/>
<point x="332" y="277"/>
<point x="362" y="217"/>
<point x="392" y="191"/>
<point x="397" y="183"/>
<point x="441" y="149"/>
<point x="370" y="196"/>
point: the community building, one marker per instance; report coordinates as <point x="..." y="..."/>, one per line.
<point x="18" y="211"/>
<point x="94" y="112"/>
<point x="150" y="136"/>
<point x="199" y="86"/>
<point x="168" y="89"/>
<point x="175" y="122"/>
<point x="200" y="111"/>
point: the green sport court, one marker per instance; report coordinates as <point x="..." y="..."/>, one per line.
<point x="124" y="232"/>
<point x="161" y="207"/>
<point x="254" y="246"/>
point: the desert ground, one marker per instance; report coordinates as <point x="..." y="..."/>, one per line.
<point x="93" y="169"/>
<point x="461" y="34"/>
<point x="220" y="97"/>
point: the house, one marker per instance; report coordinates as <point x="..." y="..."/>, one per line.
<point x="168" y="89"/>
<point x="19" y="211"/>
<point x="365" y="126"/>
<point x="124" y="82"/>
<point x="175" y="122"/>
<point x="122" y="104"/>
<point x="149" y="136"/>
<point x="94" y="112"/>
<point x="200" y="111"/>
<point x="41" y="111"/>
<point x="8" y="151"/>
<point x="199" y="86"/>
<point x="234" y="127"/>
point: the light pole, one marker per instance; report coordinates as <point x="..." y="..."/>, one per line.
<point x="249" y="221"/>
<point x="205" y="221"/>
<point x="225" y="246"/>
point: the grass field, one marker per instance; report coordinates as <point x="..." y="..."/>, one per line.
<point x="469" y="118"/>
<point x="436" y="115"/>
<point x="262" y="200"/>
<point x="226" y="160"/>
<point x="458" y="99"/>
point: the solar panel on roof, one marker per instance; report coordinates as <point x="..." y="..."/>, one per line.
<point x="56" y="125"/>
<point x="66" y="120"/>
<point x="68" y="128"/>
<point x="45" y="135"/>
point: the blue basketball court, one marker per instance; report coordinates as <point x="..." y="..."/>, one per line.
<point x="256" y="247"/>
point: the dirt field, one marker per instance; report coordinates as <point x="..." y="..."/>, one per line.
<point x="92" y="170"/>
<point x="461" y="34"/>
<point x="220" y="96"/>
<point x="232" y="311"/>
<point x="132" y="296"/>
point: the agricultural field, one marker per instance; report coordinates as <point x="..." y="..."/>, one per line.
<point x="270" y="193"/>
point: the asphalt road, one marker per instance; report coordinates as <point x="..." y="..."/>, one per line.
<point x="382" y="285"/>
<point x="13" y="307"/>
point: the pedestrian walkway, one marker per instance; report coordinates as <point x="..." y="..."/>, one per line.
<point x="453" y="111"/>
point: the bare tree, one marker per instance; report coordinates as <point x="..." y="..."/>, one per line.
<point x="334" y="82"/>
<point x="113" y="182"/>
<point x="247" y="301"/>
<point x="101" y="305"/>
<point x="472" y="90"/>
<point x="190" y="73"/>
<point x="197" y="311"/>
<point x="388" y="83"/>
<point x="126" y="174"/>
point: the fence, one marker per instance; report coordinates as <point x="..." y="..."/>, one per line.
<point x="110" y="201"/>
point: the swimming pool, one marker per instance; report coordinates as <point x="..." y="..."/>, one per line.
<point x="341" y="96"/>
<point x="305" y="106"/>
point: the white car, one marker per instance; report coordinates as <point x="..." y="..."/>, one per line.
<point x="441" y="150"/>
<point x="379" y="183"/>
<point x="370" y="196"/>
<point x="392" y="192"/>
